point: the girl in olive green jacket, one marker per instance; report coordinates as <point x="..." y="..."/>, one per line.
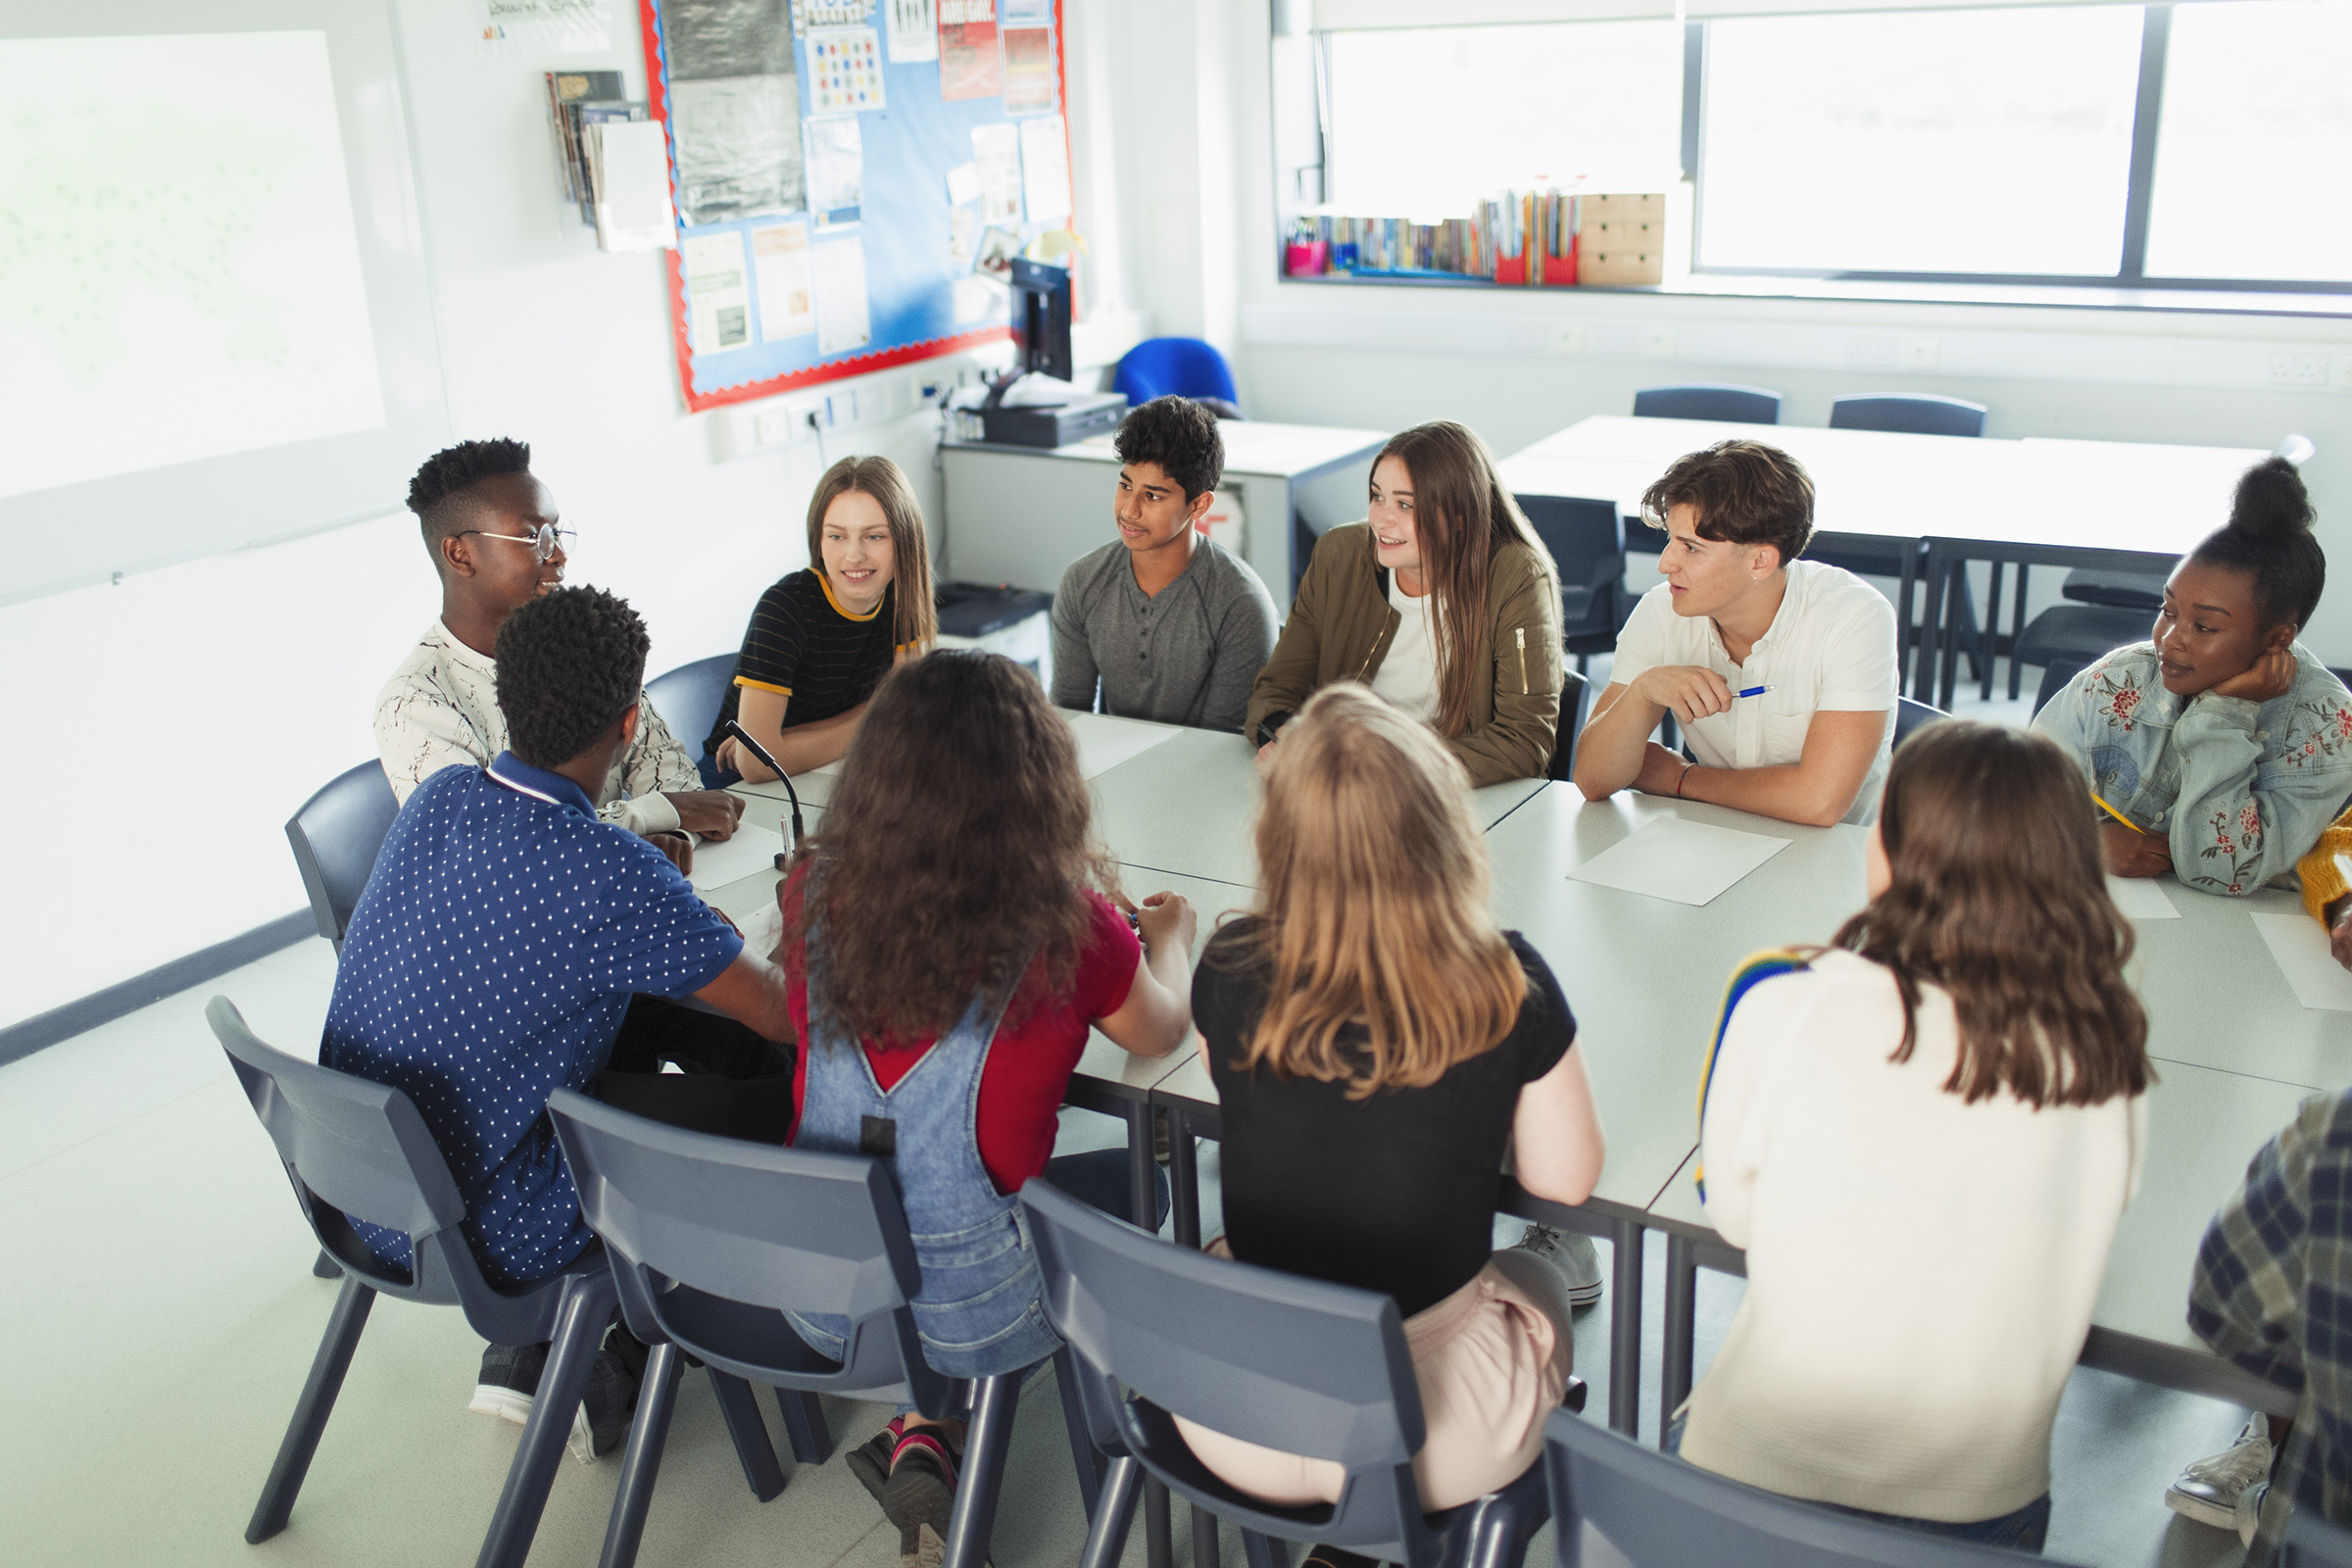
<point x="1443" y="602"/>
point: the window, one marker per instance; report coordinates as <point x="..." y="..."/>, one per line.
<point x="2254" y="154"/>
<point x="1423" y="121"/>
<point x="1953" y="141"/>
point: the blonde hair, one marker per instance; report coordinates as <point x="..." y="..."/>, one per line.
<point x="1372" y="904"/>
<point x="914" y="622"/>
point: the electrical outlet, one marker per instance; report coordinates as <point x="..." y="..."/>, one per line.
<point x="774" y="426"/>
<point x="1918" y="354"/>
<point x="2343" y="372"/>
<point x="2299" y="369"/>
<point x="1657" y="343"/>
<point x="1871" y="353"/>
<point x="1568" y="337"/>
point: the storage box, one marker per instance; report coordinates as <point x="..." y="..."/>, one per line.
<point x="1620" y="265"/>
<point x="1621" y="239"/>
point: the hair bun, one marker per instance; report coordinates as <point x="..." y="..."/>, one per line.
<point x="2271" y="502"/>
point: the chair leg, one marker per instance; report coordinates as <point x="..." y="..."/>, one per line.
<point x="310" y="1411"/>
<point x="974" y="1516"/>
<point x="1497" y="1533"/>
<point x="642" y="1461"/>
<point x="1989" y="641"/>
<point x="1264" y="1551"/>
<point x="804" y="1426"/>
<point x="585" y="1309"/>
<point x="1106" y="1530"/>
<point x="741" y="1411"/>
<point x="325" y="1266"/>
<point x="1088" y="1458"/>
<point x="2017" y="625"/>
<point x="1204" y="1538"/>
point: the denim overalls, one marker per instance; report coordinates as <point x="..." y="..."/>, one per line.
<point x="979" y="1310"/>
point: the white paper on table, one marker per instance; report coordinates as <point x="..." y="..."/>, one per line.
<point x="838" y="270"/>
<point x="1103" y="743"/>
<point x="2298" y="945"/>
<point x="914" y="31"/>
<point x="996" y="153"/>
<point x="718" y="292"/>
<point x="2140" y="899"/>
<point x="1688" y="862"/>
<point x="780" y="263"/>
<point x="1045" y="169"/>
<point x="963" y="184"/>
<point x="751" y="850"/>
<point x="836" y="170"/>
<point x="630" y="158"/>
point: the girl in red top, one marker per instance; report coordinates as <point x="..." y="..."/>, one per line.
<point x="947" y="950"/>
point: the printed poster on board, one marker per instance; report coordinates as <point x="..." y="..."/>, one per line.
<point x="970" y="63"/>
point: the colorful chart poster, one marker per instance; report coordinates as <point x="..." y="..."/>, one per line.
<point x="1028" y="70"/>
<point x="845" y="70"/>
<point x="971" y="64"/>
<point x="780" y="263"/>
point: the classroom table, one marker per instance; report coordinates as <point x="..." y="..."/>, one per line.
<point x="1021" y="515"/>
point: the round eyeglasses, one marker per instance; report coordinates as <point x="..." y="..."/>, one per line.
<point x="544" y="544"/>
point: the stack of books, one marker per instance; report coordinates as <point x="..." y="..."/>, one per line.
<point x="1549" y="237"/>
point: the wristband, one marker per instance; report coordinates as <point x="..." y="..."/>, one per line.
<point x="1679" y="777"/>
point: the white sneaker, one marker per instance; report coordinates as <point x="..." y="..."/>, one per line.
<point x="2210" y="1489"/>
<point x="1569" y="1253"/>
<point x="2249" y="1512"/>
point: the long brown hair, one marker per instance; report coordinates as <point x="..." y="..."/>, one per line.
<point x="1372" y="904"/>
<point x="915" y="620"/>
<point x="2000" y="897"/>
<point x="1461" y="515"/>
<point x="956" y="845"/>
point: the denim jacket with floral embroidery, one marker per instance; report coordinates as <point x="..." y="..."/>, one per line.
<point x="2239" y="790"/>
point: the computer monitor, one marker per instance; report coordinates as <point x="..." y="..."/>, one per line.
<point x="1040" y="318"/>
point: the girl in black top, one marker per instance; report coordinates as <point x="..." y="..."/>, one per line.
<point x="1376" y="1044"/>
<point x="822" y="638"/>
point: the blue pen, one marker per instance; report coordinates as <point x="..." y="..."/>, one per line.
<point x="1754" y="691"/>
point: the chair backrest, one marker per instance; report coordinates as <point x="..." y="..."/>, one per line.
<point x="1661" y="1512"/>
<point x="355" y="1148"/>
<point x="1737" y="404"/>
<point x="2313" y="1543"/>
<point x="1910" y="413"/>
<point x="1183" y="365"/>
<point x="689" y="697"/>
<point x="1296" y="1364"/>
<point x="335" y="837"/>
<point x="1576" y="701"/>
<point x="713" y="1239"/>
<point x="1587" y="542"/>
<point x="1909" y="715"/>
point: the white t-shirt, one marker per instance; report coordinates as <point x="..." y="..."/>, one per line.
<point x="1830" y="648"/>
<point x="1921" y="1270"/>
<point x="1407" y="676"/>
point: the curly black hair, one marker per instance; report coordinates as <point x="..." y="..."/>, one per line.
<point x="569" y="663"/>
<point x="452" y="471"/>
<point x="1178" y="434"/>
<point x="2269" y="537"/>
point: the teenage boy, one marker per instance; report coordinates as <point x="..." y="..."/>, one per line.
<point x="491" y="528"/>
<point x="1781" y="671"/>
<point x="1174" y="627"/>
<point x="496" y="950"/>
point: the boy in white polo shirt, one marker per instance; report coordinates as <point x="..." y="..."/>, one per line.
<point x="1781" y="671"/>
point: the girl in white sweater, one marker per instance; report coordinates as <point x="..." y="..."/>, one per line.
<point x="1923" y="1136"/>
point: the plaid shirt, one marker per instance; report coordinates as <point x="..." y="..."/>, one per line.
<point x="2274" y="1294"/>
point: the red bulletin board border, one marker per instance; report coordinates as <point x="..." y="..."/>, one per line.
<point x="657" y="79"/>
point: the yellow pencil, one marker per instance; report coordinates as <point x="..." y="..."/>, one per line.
<point x="2118" y="815"/>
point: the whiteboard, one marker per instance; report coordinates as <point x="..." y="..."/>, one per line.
<point x="215" y="314"/>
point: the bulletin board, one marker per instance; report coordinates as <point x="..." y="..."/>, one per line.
<point x="761" y="290"/>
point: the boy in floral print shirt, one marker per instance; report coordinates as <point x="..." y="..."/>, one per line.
<point x="2222" y="744"/>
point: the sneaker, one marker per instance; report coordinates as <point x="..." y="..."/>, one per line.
<point x="869" y="1461"/>
<point x="607" y="1407"/>
<point x="920" y="1495"/>
<point x="2209" y="1489"/>
<point x="2249" y="1512"/>
<point x="1571" y="1255"/>
<point x="509" y="1381"/>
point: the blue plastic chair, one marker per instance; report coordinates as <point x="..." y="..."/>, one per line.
<point x="689" y="697"/>
<point x="1911" y="717"/>
<point x="1661" y="1512"/>
<point x="1587" y="540"/>
<point x="353" y="1147"/>
<point x="1736" y="404"/>
<point x="1155" y="1330"/>
<point x="335" y="838"/>
<point x="1908" y="413"/>
<point x="1180" y="366"/>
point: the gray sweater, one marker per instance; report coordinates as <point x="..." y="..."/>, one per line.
<point x="1187" y="656"/>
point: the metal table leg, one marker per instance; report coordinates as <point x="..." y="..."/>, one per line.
<point x="1625" y="1329"/>
<point x="1682" y="1313"/>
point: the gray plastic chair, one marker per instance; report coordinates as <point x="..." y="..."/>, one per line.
<point x="1296" y="1364"/>
<point x="1587" y="542"/>
<point x="1736" y="405"/>
<point x="689" y="697"/>
<point x="335" y="837"/>
<point x="2067" y="639"/>
<point x="1907" y="414"/>
<point x="354" y="1147"/>
<point x="2313" y="1543"/>
<point x="712" y="1240"/>
<point x="1576" y="706"/>
<point x="1910" y="715"/>
<point x="1660" y="1513"/>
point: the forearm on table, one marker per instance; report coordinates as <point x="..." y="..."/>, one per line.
<point x="1796" y="793"/>
<point x="1609" y="752"/>
<point x="802" y="746"/>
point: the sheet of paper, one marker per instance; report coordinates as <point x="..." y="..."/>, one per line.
<point x="751" y="850"/>
<point x="845" y="70"/>
<point x="544" y="27"/>
<point x="1688" y="862"/>
<point x="998" y="247"/>
<point x="1045" y="169"/>
<point x="632" y="186"/>
<point x="1105" y="742"/>
<point x="963" y="235"/>
<point x="780" y="263"/>
<point x="842" y="323"/>
<point x="971" y="64"/>
<point x="718" y="293"/>
<point x="963" y="184"/>
<point x="2298" y="945"/>
<point x="914" y="31"/>
<point x="836" y="172"/>
<point x="1028" y="70"/>
<point x="2140" y="899"/>
<point x="996" y="153"/>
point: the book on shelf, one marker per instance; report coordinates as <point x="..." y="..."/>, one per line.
<point x="1547" y="238"/>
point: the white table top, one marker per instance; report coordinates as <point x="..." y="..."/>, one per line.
<point x="1103" y="743"/>
<point x="1251" y="446"/>
<point x="2118" y="495"/>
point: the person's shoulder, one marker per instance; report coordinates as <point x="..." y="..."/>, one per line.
<point x="795" y="593"/>
<point x="1832" y="592"/>
<point x="1778" y="981"/>
<point x="1084" y="578"/>
<point x="2315" y="682"/>
<point x="1347" y="541"/>
<point x="1516" y="564"/>
<point x="418" y="667"/>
